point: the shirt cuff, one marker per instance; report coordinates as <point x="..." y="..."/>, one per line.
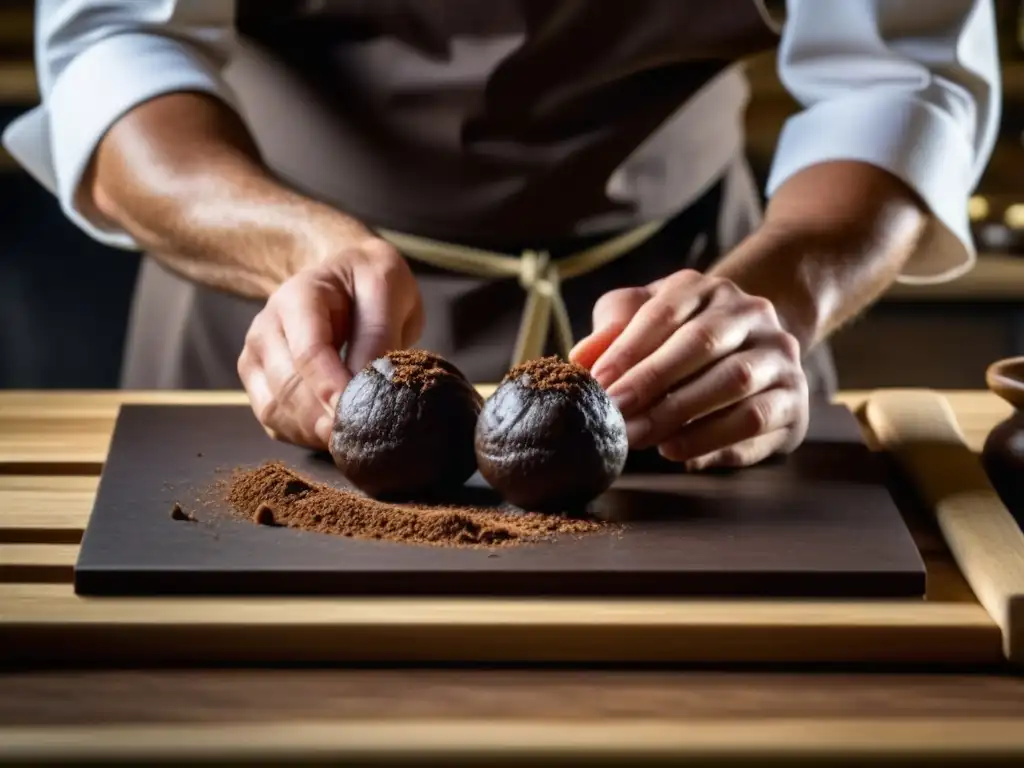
<point x="100" y="85"/>
<point x="913" y="140"/>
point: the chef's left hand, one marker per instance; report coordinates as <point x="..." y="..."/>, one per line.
<point x="700" y="369"/>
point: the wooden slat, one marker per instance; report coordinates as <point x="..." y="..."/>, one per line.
<point x="215" y="695"/>
<point x="44" y="508"/>
<point x="47" y="621"/>
<point x="30" y="563"/>
<point x="770" y="741"/>
<point x="920" y="428"/>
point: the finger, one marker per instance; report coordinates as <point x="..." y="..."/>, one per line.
<point x="294" y="412"/>
<point x="727" y="381"/>
<point x="610" y="316"/>
<point x="254" y="381"/>
<point x="314" y="319"/>
<point x="744" y="454"/>
<point x="378" y="319"/>
<point x="698" y="344"/>
<point x="653" y="323"/>
<point x="766" y="412"/>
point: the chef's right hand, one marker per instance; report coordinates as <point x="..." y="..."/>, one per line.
<point x="291" y="367"/>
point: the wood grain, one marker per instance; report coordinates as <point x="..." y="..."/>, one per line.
<point x="920" y="428"/>
<point x="959" y="741"/>
<point x="47" y="622"/>
<point x="44" y="508"/>
<point x="123" y="697"/>
<point x="37" y="563"/>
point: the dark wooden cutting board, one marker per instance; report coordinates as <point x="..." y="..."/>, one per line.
<point x="818" y="523"/>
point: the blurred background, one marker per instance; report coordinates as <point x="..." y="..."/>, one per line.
<point x="64" y="299"/>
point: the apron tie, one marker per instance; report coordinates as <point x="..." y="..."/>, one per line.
<point x="539" y="276"/>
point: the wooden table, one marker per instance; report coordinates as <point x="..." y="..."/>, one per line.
<point x="52" y="447"/>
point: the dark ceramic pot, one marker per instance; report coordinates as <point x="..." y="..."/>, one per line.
<point x="1003" y="454"/>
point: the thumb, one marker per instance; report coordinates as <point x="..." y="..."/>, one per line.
<point x="611" y="315"/>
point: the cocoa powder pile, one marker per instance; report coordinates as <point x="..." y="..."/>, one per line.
<point x="548" y="374"/>
<point x="273" y="494"/>
<point x="416" y="369"/>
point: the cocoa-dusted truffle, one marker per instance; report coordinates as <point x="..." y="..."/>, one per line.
<point x="549" y="438"/>
<point x="404" y="426"/>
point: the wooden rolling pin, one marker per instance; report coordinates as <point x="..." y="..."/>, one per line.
<point x="920" y="429"/>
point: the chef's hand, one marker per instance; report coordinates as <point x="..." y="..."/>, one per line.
<point x="700" y="369"/>
<point x="365" y="297"/>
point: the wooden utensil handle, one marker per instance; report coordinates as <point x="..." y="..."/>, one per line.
<point x="920" y="429"/>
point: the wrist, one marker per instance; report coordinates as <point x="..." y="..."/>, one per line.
<point x="792" y="270"/>
<point x="320" y="233"/>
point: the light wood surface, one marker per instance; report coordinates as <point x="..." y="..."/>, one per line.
<point x="551" y="714"/>
<point x="547" y="715"/>
<point x="920" y="429"/>
<point x="43" y="515"/>
<point x="441" y="742"/>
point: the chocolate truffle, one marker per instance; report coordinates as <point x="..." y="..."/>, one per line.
<point x="549" y="439"/>
<point x="404" y="426"/>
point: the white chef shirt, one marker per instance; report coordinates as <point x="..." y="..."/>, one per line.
<point x="910" y="86"/>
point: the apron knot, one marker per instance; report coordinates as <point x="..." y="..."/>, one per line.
<point x="539" y="278"/>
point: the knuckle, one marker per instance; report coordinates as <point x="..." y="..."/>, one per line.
<point x="617" y="297"/>
<point x="380" y="249"/>
<point x="742" y="376"/>
<point x="757" y="417"/>
<point x="707" y="339"/>
<point x="722" y="287"/>
<point x="682" y="277"/>
<point x="789" y="346"/>
<point x="794" y="380"/>
<point x="759" y="305"/>
<point x="661" y="311"/>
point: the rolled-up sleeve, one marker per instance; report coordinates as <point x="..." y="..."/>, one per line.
<point x="98" y="60"/>
<point x="912" y="88"/>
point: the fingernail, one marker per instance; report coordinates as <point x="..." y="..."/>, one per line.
<point x="669" y="451"/>
<point x="637" y="429"/>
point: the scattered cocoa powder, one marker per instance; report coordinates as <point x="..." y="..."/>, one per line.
<point x="550" y="373"/>
<point x="416" y="368"/>
<point x="298" y="502"/>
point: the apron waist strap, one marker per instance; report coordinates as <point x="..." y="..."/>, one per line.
<point x="539" y="276"/>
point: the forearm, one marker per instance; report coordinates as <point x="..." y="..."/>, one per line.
<point x="182" y="175"/>
<point x="835" y="236"/>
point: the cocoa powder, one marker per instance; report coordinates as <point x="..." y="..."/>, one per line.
<point x="550" y="374"/>
<point x="274" y="492"/>
<point x="416" y="368"/>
